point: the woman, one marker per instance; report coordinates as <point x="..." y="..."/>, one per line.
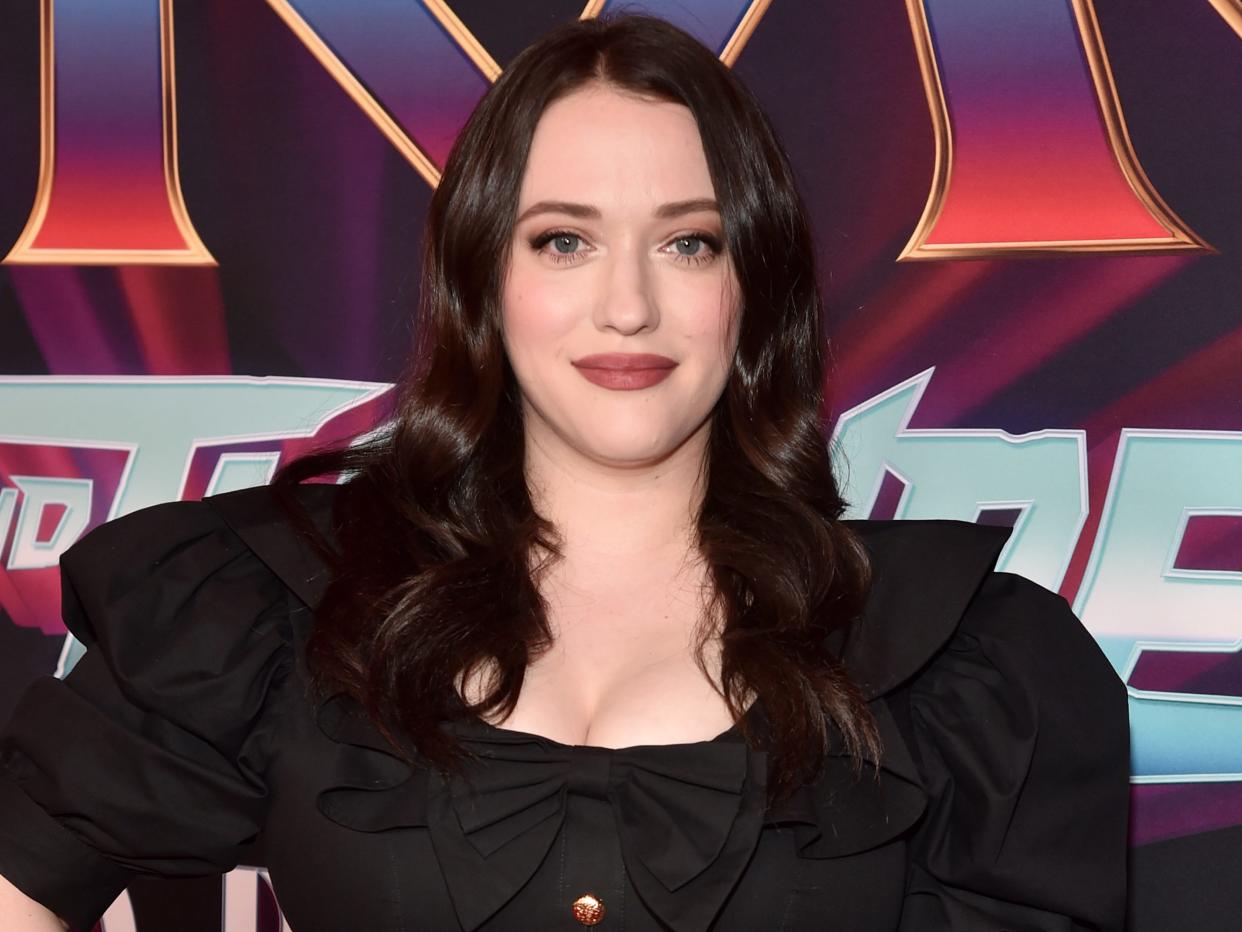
<point x="590" y="644"/>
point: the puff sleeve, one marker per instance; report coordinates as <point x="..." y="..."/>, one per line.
<point x="1019" y="729"/>
<point x="149" y="756"/>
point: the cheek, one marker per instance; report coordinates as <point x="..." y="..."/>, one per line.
<point x="534" y="316"/>
<point x="711" y="321"/>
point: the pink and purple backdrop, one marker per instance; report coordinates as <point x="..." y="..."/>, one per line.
<point x="1028" y="221"/>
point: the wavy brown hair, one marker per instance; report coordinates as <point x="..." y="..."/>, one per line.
<point x="436" y="571"/>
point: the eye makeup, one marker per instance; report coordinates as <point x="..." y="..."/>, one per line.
<point x="698" y="258"/>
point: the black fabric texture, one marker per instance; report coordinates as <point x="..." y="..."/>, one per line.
<point x="185" y="735"/>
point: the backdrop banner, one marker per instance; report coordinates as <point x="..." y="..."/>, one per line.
<point x="1029" y="227"/>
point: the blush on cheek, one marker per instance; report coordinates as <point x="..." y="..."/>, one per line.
<point x="533" y="309"/>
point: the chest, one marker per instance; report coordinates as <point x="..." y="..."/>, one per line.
<point x="621" y="671"/>
<point x="329" y="876"/>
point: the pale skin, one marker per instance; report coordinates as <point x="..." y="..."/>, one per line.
<point x="19" y="913"/>
<point x="617" y="472"/>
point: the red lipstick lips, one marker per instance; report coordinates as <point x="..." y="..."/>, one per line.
<point x="625" y="371"/>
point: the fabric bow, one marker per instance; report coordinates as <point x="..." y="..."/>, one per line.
<point x="688" y="818"/>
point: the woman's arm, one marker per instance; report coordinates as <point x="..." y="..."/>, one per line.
<point x="146" y="758"/>
<point x="19" y="913"/>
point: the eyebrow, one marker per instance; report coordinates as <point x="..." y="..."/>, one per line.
<point x="587" y="212"/>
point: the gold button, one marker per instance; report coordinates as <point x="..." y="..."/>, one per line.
<point x="589" y="909"/>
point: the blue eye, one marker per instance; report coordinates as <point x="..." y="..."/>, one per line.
<point x="565" y="245"/>
<point x="689" y="249"/>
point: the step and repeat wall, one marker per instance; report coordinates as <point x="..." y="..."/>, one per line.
<point x="1029" y="220"/>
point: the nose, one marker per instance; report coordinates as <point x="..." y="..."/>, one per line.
<point x="628" y="303"/>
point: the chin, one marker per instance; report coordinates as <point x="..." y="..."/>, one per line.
<point x="626" y="448"/>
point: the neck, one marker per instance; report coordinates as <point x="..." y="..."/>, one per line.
<point x="606" y="514"/>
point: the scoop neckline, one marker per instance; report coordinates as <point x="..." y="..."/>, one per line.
<point x="732" y="733"/>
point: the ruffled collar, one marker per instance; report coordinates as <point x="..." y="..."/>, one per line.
<point x="924" y="575"/>
<point x="688" y="815"/>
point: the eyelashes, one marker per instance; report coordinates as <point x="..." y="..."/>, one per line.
<point x="709" y="251"/>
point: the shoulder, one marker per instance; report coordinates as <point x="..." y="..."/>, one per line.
<point x="1020" y="645"/>
<point x="205" y="534"/>
<point x="193" y="575"/>
<point x="149" y="528"/>
<point x="936" y="590"/>
<point x="924" y="575"/>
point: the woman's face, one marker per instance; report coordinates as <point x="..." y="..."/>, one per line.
<point x="619" y="304"/>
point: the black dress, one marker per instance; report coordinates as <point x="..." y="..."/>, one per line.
<point x="185" y="732"/>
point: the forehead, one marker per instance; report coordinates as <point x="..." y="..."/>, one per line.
<point x="602" y="146"/>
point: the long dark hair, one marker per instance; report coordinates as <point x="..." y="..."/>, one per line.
<point x="439" y="545"/>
